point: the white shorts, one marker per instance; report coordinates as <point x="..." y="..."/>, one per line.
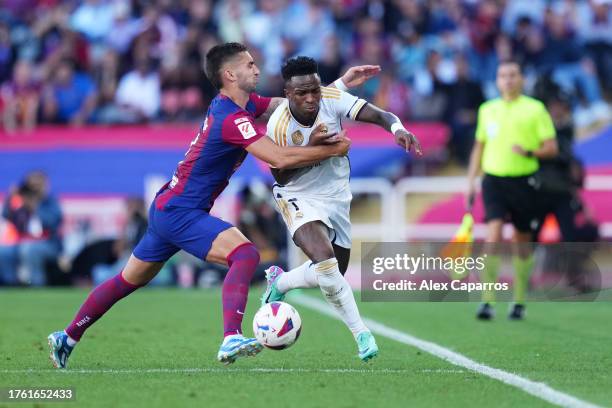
<point x="298" y="209"/>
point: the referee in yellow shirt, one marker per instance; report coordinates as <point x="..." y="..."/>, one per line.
<point x="512" y="133"/>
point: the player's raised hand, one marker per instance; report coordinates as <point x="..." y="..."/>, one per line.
<point x="408" y="141"/>
<point x="356" y="76"/>
<point x="320" y="136"/>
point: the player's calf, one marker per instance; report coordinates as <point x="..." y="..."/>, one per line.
<point x="243" y="261"/>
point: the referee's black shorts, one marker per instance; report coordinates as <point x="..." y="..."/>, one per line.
<point x="511" y="199"/>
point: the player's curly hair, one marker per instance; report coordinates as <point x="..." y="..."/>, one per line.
<point x="297" y="66"/>
<point x="217" y="56"/>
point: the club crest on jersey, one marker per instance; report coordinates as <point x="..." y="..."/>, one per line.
<point x="297" y="137"/>
<point x="247" y="130"/>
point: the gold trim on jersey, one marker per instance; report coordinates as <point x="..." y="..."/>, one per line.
<point x="331" y="90"/>
<point x="283" y="118"/>
<point x="284" y="207"/>
<point x="358" y="106"/>
<point x="283" y="129"/>
<point x="330" y="93"/>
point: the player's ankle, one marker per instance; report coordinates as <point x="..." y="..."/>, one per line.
<point x="231" y="335"/>
<point x="70" y="341"/>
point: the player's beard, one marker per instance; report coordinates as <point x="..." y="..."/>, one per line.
<point x="247" y="86"/>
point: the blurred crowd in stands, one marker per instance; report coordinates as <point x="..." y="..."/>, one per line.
<point x="83" y="62"/>
<point x="36" y="249"/>
<point x="134" y="61"/>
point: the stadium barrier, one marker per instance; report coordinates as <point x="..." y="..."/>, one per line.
<point x="395" y="203"/>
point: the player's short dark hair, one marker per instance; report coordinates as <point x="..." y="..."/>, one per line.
<point x="298" y="66"/>
<point x="217" y="56"/>
<point x="511" y="61"/>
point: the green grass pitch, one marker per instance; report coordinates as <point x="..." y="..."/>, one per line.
<point x="157" y="348"/>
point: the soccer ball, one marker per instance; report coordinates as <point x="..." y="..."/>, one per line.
<point x="277" y="325"/>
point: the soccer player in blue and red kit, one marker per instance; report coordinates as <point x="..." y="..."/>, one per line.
<point x="179" y="216"/>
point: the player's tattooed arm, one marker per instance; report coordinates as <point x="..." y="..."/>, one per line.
<point x="391" y="123"/>
<point x="274" y="103"/>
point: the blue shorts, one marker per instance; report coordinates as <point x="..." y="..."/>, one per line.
<point x="172" y="229"/>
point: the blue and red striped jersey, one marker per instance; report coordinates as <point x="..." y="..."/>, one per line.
<point x="214" y="155"/>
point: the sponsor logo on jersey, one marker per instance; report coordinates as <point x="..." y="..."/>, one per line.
<point x="297" y="138"/>
<point x="174" y="182"/>
<point x="247" y="130"/>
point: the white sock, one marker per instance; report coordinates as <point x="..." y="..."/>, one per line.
<point x="71" y="342"/>
<point x="339" y="295"/>
<point x="304" y="276"/>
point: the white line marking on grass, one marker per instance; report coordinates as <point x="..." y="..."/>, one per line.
<point x="213" y="371"/>
<point x="537" y="389"/>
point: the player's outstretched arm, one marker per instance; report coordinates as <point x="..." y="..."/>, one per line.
<point x="356" y="76"/>
<point x="292" y="156"/>
<point x="387" y="120"/>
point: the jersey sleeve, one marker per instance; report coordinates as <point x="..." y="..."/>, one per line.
<point x="545" y="129"/>
<point x="345" y="104"/>
<point x="239" y="130"/>
<point x="261" y="103"/>
<point x="481" y="134"/>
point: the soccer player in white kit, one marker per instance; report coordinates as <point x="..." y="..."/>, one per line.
<point x="314" y="201"/>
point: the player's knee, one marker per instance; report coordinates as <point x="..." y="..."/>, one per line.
<point x="317" y="250"/>
<point x="321" y="253"/>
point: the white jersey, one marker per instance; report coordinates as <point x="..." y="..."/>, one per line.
<point x="331" y="176"/>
